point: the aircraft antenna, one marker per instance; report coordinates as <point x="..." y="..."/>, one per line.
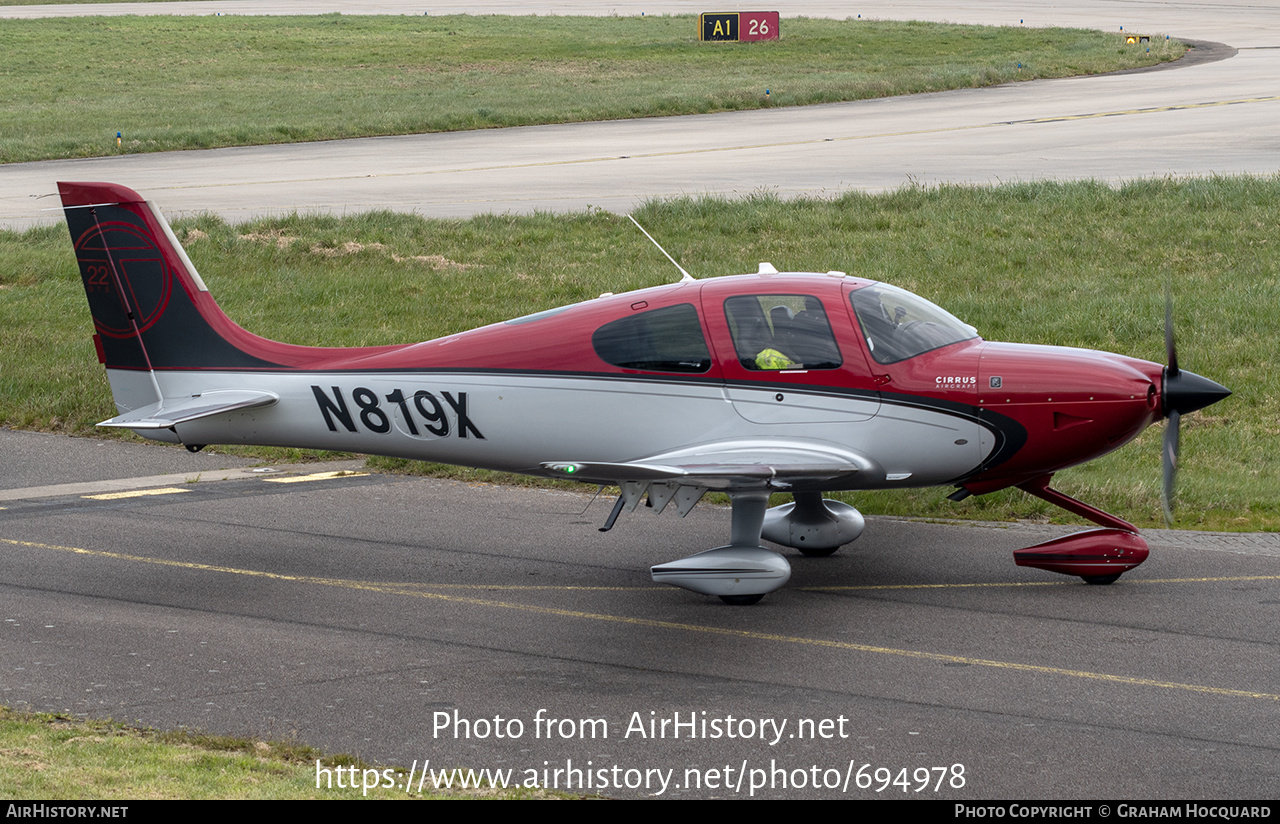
<point x="687" y="276"/>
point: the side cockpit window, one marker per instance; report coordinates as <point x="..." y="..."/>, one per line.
<point x="781" y="332"/>
<point x="899" y="325"/>
<point x="659" y="340"/>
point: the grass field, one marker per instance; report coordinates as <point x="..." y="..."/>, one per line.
<point x="56" y="757"/>
<point x="67" y="86"/>
<point x="1069" y="264"/>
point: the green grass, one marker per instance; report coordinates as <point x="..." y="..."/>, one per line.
<point x="1077" y="264"/>
<point x="67" y="86"/>
<point x="57" y="757"/>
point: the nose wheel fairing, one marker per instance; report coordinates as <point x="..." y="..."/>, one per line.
<point x="1099" y="556"/>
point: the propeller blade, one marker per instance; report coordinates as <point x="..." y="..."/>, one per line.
<point x="1169" y="460"/>
<point x="1181" y="393"/>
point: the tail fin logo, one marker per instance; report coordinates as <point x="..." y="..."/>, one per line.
<point x="135" y="264"/>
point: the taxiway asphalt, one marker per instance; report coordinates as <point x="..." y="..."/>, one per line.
<point x="377" y="613"/>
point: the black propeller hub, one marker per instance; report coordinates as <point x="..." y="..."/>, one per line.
<point x="1186" y="391"/>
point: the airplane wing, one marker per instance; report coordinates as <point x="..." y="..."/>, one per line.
<point x="727" y="465"/>
<point x="173" y="411"/>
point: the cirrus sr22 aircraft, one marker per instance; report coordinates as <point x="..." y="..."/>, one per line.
<point x="749" y="385"/>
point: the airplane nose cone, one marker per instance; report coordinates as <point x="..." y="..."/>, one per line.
<point x="1186" y="392"/>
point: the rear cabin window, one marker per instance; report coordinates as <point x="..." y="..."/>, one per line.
<point x="659" y="340"/>
<point x="772" y="332"/>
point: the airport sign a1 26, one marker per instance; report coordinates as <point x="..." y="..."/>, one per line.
<point x="738" y="26"/>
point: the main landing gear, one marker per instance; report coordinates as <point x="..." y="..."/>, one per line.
<point x="743" y="572"/>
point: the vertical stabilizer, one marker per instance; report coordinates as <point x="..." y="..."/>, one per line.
<point x="152" y="315"/>
<point x="150" y="308"/>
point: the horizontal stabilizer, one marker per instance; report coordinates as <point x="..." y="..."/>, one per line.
<point x="173" y="411"/>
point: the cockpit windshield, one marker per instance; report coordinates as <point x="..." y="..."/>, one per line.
<point x="899" y="325"/>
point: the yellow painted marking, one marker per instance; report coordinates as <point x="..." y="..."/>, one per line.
<point x="319" y="476"/>
<point x="1208" y="580"/>
<point x="516" y="587"/>
<point x="136" y="493"/>
<point x="1039" y="583"/>
<point x="402" y="589"/>
<point x="753" y="146"/>
<point x="1149" y="110"/>
<point x="853" y="588"/>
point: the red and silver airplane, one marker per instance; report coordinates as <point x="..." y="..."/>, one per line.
<point x="801" y="383"/>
